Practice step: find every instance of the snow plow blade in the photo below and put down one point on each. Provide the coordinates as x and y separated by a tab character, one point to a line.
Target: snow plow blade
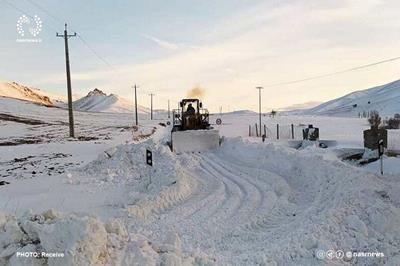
194	140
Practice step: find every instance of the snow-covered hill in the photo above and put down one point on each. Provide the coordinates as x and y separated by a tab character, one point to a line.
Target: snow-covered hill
98	101
19	91
95	101
385	99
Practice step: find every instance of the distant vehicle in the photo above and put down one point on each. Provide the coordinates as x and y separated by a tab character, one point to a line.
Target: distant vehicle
191	130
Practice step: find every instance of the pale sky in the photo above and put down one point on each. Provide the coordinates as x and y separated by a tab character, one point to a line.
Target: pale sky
227	47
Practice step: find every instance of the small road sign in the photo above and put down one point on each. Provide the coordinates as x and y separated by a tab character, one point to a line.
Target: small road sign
218	121
380	147
381	151
149	157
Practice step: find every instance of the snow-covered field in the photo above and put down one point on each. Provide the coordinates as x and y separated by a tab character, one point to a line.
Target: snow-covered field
95	200
384	99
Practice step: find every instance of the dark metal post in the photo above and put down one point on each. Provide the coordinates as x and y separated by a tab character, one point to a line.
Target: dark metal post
67	66
277	131
259	104
256	130
381	151
292	131
151	105
136	114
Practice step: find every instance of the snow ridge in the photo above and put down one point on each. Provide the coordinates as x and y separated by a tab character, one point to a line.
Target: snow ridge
98	101
385	99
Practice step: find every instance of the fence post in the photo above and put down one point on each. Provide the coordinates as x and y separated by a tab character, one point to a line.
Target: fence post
277	131
249	130
265	130
292	131
256	130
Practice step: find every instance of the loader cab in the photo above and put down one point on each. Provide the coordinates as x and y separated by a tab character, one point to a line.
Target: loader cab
190	116
191	131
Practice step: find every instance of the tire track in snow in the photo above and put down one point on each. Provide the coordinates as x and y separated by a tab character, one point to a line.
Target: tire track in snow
218	199
253	196
272	210
235	194
200	217
268	198
210	196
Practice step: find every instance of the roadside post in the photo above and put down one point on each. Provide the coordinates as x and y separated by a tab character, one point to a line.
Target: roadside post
149	161
380	152
149	157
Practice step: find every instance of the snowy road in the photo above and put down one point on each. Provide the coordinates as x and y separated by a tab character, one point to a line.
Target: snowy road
248	206
228	210
245	203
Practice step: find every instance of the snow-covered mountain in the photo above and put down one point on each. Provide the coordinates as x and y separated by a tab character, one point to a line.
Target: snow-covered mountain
98	101
21	92
385	99
95	101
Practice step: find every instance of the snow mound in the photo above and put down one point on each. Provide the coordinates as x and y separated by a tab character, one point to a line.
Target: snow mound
66	239
153	188
98	101
385	99
319	206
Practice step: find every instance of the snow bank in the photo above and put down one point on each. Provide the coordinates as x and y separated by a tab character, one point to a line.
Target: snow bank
391	165
52	238
327	204
152	189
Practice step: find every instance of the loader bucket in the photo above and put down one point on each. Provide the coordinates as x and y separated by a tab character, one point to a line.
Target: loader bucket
194	140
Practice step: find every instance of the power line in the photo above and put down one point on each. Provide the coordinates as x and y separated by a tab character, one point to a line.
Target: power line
94	52
22	11
58	20
55	18
334	73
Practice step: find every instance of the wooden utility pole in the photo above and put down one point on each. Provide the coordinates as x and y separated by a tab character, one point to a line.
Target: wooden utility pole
169	116
136	115
259	103
70	111
151	105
